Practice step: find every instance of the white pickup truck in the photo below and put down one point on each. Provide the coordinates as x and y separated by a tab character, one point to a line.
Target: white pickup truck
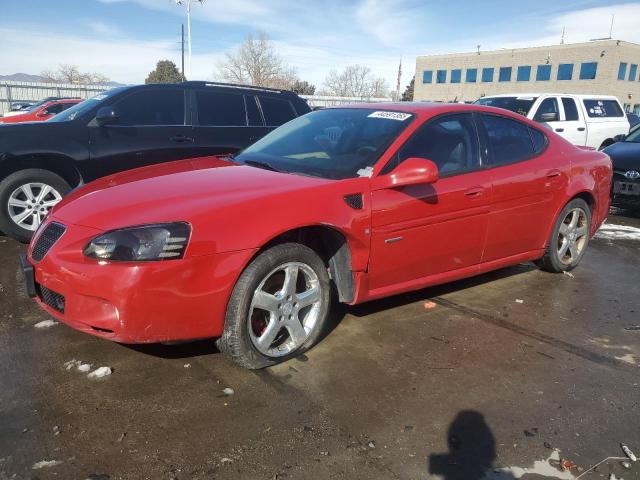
586	120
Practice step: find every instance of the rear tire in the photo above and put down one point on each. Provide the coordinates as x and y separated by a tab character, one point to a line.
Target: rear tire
32	193
569	238
278	308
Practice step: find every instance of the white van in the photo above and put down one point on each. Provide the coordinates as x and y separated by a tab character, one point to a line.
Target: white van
588	120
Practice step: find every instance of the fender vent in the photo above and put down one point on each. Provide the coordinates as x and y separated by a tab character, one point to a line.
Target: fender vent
354	200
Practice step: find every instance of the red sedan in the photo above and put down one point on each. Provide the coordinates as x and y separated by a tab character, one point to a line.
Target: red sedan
42	112
369	200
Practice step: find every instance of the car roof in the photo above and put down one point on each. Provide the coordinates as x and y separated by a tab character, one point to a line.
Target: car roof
551	94
430	109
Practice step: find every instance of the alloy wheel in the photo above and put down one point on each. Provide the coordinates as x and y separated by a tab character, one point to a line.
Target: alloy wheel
572	236
284	309
29	204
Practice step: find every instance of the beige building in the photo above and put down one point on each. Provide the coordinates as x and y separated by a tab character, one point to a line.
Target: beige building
605	67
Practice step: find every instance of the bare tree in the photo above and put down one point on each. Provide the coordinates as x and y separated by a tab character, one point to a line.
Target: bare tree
256	62
66	73
355	81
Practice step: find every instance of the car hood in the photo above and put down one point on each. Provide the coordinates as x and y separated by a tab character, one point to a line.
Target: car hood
186	190
624	155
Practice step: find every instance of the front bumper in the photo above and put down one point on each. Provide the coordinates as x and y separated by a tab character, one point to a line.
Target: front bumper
134	302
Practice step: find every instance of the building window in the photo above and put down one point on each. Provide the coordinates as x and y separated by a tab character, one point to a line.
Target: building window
505	74
487	75
427	76
633	69
622	71
588	70
524	73
472	75
543	73
441	76
565	71
456	75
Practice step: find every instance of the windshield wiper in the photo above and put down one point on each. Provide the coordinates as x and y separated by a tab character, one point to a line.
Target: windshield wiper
260	164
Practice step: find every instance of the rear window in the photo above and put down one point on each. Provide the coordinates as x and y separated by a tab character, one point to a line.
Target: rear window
603	108
276	111
520	105
218	109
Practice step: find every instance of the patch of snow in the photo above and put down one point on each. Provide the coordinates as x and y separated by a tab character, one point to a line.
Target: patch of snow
628	358
100	372
540	467
85	367
46	464
72	363
610	231
45	324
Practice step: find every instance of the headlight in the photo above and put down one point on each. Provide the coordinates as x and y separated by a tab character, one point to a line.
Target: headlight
163	241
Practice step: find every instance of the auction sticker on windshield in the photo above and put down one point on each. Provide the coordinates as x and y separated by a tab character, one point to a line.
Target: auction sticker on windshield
390	115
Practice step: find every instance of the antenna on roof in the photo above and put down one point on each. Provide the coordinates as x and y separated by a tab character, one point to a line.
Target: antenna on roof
478	47
613	16
562	39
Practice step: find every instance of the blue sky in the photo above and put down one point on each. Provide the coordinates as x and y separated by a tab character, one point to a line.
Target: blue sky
123	39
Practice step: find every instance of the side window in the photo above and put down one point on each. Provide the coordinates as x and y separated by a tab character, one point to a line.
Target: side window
539	140
220	109
603	108
548	111
54	109
508	140
570	109
253	114
276	111
152	107
450	141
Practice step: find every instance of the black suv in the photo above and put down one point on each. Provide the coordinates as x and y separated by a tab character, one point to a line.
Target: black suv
125	128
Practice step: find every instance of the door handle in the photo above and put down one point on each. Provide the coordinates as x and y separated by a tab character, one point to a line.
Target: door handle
474	192
181	139
554	173
581	129
559	129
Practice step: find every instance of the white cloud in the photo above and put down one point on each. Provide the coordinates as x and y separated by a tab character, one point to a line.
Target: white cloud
392	22
102	28
120	59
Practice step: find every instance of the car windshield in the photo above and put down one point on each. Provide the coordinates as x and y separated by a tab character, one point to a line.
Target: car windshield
520	105
81	108
332	143
634	135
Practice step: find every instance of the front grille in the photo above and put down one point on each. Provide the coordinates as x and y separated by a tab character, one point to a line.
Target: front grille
51	298
46	240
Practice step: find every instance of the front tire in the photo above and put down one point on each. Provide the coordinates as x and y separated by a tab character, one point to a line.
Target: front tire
278	308
26	196
569	238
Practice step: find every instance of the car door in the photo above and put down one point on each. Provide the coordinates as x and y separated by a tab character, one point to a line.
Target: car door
527	179
151	127
573	122
225	121
424	230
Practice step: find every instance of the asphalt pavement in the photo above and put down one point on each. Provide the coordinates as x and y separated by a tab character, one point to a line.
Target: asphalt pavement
502	376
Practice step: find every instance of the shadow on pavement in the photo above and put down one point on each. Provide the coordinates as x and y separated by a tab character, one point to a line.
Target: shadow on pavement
472	450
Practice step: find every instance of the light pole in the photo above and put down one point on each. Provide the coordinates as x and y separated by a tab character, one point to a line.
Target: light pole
187	5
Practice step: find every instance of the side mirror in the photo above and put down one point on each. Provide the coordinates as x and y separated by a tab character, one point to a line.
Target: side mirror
42	114
619	138
548	117
412	171
106	115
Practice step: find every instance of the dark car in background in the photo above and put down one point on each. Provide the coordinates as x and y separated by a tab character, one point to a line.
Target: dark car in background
125	128
625	156
633	118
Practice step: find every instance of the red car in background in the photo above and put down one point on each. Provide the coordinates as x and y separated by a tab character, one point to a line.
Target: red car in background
43	112
367	201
